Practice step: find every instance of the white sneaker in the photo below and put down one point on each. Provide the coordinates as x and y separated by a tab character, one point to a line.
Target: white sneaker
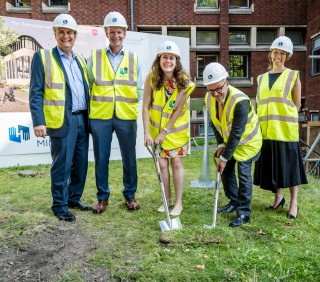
176	211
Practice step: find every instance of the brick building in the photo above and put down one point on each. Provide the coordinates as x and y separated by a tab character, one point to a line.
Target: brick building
236	33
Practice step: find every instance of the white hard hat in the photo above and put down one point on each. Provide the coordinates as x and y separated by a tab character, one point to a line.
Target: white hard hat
214	72
169	47
283	43
65	20
115	19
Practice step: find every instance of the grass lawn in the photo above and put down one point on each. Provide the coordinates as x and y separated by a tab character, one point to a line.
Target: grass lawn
119	245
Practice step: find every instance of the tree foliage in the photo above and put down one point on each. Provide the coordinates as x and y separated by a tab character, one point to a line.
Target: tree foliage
7	38
207	3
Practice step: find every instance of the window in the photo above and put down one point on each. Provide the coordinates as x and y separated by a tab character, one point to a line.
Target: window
58	3
202	61
24	3
207	37
296	36
314	116
239	37
266	36
202	130
152	30
315	64
238	66
235	4
207	3
180	33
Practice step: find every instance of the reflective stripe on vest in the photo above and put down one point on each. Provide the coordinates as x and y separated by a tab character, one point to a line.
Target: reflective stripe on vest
114	92
251	140
277	112
54	88
161	111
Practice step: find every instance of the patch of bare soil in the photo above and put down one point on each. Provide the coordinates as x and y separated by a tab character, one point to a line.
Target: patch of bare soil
51	254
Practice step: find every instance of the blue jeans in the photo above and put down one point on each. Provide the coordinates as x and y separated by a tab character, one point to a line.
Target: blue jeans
126	131
239	195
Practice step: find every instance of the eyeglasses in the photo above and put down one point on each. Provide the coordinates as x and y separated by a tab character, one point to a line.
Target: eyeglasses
217	90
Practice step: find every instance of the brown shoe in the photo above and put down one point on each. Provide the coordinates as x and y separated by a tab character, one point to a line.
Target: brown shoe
132	205
100	206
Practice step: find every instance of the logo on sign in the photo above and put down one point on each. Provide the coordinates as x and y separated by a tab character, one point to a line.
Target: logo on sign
17	135
95	32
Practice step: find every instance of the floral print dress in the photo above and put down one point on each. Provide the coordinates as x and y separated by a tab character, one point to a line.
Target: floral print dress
180	152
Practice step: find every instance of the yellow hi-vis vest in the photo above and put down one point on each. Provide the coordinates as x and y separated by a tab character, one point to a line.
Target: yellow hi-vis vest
114	93
251	140
161	111
278	115
54	96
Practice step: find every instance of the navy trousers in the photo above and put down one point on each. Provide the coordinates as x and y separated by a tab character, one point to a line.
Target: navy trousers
126	131
239	195
69	164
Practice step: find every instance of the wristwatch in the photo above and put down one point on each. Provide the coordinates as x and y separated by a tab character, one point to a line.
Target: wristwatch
166	130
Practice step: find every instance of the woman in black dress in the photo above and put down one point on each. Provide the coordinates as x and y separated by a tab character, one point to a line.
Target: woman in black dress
278	100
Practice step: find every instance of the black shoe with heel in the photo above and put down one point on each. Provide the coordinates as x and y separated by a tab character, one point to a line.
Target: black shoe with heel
290	216
282	202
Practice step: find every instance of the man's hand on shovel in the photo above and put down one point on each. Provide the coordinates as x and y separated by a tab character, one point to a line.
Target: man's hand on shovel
220	164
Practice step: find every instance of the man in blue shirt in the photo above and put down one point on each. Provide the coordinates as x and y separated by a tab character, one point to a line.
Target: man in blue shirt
117	86
59	107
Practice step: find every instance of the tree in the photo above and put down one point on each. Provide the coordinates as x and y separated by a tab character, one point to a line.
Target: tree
7	38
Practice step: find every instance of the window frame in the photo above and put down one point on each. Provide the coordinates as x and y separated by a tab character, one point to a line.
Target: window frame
207	7
247	63
240	7
302	42
202	130
239	31
314	116
205	63
207	31
266	30
150	30
315	62
180	30
57	5
18	2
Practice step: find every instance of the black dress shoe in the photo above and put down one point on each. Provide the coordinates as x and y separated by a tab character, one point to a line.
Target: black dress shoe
65	215
79	205
239	220
228	208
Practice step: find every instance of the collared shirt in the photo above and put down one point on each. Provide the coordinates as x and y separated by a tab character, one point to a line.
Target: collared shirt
75	80
115	61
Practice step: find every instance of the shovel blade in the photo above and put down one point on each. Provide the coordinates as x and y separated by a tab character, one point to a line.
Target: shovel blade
164	226
209	226
175	224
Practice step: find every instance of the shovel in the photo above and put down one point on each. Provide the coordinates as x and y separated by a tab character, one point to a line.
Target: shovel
215	207
168	224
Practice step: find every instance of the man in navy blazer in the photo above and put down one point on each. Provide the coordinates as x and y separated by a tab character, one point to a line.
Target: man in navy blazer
59	107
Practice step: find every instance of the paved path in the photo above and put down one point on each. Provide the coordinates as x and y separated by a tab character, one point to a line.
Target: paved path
21	104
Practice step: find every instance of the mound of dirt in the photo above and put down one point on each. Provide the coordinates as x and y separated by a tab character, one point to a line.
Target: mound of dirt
50	255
